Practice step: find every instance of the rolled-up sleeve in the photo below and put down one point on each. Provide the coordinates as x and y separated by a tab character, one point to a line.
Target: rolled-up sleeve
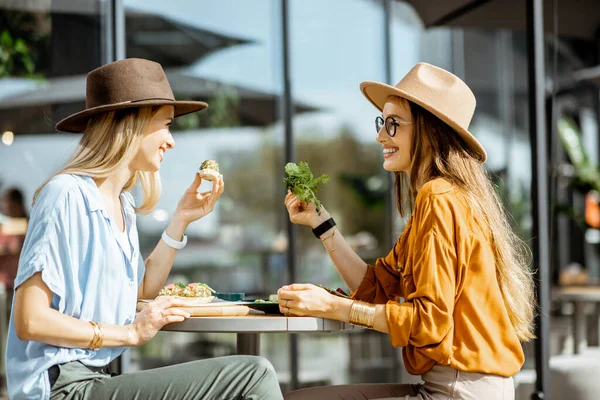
425	318
46	245
381	281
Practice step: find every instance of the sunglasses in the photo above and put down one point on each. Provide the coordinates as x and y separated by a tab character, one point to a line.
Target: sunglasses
390	123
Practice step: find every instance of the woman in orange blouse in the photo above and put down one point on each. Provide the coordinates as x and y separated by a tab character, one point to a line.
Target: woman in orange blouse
456	291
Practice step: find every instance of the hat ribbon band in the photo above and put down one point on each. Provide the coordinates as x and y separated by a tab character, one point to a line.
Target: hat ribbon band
152	98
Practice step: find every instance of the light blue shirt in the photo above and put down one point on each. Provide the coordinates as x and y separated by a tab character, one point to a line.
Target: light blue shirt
92	268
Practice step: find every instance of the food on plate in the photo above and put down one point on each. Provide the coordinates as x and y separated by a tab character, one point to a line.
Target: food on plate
272	299
337	292
209	170
192	292
300	181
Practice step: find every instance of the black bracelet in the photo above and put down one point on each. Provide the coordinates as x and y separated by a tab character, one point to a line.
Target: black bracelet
324	227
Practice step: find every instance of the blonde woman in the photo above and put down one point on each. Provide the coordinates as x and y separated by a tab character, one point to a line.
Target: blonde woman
455	291
80	272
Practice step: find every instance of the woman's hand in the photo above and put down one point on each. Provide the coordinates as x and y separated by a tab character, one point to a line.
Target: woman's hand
153	316
304	214
194	205
304	299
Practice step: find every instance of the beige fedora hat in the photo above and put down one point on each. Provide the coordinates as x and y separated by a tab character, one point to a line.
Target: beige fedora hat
438	91
129	83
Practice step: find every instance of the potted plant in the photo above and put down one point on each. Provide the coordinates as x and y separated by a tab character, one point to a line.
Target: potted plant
586	177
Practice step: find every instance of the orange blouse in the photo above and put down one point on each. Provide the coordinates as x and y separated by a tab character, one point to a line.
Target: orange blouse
453	312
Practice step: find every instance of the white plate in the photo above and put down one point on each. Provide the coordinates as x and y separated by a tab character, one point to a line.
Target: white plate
195	301
209	302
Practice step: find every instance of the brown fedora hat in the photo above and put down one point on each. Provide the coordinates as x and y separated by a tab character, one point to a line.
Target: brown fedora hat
129	83
438	91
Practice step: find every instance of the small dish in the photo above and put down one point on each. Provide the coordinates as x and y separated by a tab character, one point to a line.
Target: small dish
230	296
268	307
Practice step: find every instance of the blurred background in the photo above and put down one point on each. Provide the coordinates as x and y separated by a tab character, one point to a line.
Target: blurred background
281	78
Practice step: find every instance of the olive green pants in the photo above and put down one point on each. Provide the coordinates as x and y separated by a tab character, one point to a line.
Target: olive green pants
224	378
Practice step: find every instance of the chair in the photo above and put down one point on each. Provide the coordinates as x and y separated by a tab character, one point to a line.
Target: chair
373	359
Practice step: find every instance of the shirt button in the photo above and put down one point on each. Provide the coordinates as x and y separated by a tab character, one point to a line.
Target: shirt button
131	283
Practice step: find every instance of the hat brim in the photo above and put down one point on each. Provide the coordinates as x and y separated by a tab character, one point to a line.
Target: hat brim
378	93
77	122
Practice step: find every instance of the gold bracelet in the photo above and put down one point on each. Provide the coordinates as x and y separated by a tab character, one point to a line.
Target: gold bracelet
362	314
330	237
98	338
101	338
92	345
357	314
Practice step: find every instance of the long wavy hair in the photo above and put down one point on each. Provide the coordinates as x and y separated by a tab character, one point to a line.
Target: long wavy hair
109	143
453	161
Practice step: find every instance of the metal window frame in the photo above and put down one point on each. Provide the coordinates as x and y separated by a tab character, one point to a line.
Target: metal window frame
287	103
114	50
539	192
114	35
119	29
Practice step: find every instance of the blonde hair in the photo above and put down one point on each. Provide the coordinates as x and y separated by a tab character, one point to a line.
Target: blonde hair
110	142
453	161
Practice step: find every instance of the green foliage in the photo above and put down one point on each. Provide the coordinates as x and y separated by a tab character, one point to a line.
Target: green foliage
259	172
518	203
301	182
24	44
370	191
572	213
587	173
222	113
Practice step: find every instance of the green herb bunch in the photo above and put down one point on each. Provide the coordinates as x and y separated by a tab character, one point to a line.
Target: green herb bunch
301	182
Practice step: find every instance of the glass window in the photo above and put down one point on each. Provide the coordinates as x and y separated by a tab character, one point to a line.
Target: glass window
501	117
45	52
334	46
227	54
46	48
494	65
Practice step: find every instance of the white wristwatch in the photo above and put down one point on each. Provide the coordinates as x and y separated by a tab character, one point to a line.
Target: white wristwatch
172	242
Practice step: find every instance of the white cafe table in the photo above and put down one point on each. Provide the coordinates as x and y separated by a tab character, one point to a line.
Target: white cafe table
579	296
248	328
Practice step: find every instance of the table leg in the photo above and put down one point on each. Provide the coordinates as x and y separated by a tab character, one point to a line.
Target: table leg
248	344
579	328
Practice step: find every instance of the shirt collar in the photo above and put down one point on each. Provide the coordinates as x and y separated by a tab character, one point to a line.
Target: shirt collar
93	197
92	194
128	210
